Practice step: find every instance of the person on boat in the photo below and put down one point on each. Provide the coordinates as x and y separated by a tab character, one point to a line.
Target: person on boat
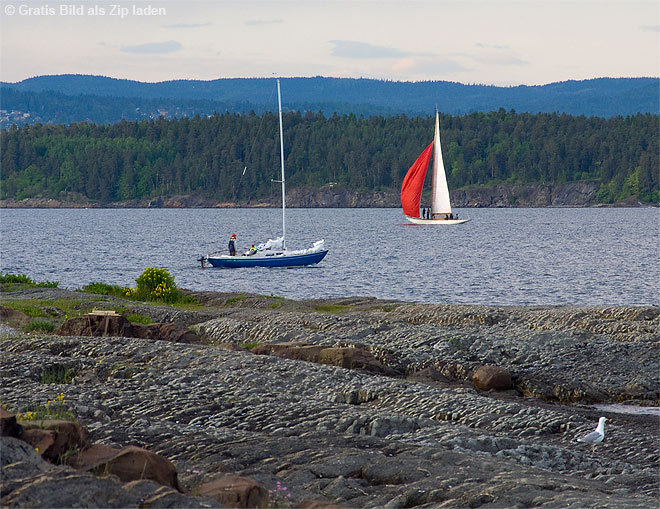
232	245
252	250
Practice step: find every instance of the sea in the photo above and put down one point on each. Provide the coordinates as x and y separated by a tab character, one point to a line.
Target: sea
516	256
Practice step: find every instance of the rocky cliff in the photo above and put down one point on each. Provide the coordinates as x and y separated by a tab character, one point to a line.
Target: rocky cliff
575	194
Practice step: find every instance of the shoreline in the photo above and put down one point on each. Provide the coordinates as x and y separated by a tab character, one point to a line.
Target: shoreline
46	204
572	195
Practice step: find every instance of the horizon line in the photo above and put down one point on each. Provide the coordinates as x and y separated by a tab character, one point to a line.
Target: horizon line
322	77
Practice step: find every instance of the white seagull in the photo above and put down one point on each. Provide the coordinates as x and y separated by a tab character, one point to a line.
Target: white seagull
597	435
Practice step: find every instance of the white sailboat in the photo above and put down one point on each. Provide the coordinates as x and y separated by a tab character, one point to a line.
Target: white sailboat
272	253
411	189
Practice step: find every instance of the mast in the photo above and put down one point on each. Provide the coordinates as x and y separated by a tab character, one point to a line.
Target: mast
279	103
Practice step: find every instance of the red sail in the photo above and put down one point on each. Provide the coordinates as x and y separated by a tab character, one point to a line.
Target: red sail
411	189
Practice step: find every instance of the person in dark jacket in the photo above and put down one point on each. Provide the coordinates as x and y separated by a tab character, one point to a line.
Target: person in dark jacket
232	245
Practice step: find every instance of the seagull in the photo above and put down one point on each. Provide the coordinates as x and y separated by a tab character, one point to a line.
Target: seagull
597	435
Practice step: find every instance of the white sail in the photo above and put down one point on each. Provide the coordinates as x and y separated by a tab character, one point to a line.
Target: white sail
439	191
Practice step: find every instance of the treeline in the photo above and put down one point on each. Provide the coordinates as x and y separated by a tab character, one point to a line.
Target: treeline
235	157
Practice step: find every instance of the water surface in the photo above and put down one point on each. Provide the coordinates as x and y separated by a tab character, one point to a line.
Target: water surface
589	256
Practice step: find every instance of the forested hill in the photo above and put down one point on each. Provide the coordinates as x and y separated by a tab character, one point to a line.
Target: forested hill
72	98
206	156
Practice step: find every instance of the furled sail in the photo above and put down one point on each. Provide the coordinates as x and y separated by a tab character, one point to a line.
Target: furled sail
411	189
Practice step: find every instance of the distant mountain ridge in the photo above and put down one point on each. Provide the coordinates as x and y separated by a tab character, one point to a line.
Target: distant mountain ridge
100	99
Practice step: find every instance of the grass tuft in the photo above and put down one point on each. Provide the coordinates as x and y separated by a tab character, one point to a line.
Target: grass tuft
138	318
12	282
39	326
234	300
57	375
250	345
332	308
55	409
104	289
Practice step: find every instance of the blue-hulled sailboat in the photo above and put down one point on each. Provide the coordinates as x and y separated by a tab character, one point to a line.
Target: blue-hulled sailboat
273	253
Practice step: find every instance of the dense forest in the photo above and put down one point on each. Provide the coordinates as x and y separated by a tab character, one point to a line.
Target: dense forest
232	157
50	107
99	99
58	108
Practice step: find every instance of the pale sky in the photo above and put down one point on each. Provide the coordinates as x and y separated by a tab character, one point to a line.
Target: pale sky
500	42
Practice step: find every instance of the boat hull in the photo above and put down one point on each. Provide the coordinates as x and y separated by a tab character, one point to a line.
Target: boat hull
419	220
268	260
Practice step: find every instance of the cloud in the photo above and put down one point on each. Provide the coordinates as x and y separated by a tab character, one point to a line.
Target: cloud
491	46
187	25
434	65
409	64
497	55
355	49
260	22
495	59
153	47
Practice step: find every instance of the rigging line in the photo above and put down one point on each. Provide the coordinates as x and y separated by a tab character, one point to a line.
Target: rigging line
308	214
312	221
254	139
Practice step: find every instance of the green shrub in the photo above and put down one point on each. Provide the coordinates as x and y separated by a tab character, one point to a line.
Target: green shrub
153	284
157	284
22	281
138	318
15	278
104	289
40	326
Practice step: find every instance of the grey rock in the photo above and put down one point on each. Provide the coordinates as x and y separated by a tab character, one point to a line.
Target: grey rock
363	439
7	331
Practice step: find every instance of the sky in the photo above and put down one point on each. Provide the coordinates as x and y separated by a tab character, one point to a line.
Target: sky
493	42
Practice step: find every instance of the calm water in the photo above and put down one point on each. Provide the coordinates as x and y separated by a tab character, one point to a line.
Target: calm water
504	256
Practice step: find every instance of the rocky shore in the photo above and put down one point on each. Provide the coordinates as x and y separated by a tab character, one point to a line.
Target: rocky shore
574	194
361	402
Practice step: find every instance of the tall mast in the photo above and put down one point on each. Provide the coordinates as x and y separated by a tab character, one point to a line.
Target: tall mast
279	103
